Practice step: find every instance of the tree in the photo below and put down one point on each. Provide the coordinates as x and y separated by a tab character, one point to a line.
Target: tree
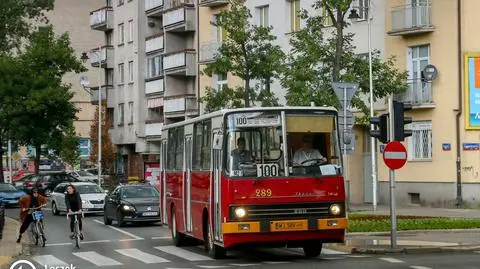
47	111
315	61
69	151
108	153
247	52
17	18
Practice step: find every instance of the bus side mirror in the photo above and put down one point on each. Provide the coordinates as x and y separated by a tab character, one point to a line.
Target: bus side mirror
217	141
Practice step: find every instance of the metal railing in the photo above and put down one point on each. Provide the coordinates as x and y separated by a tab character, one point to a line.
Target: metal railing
418	93
411	17
208	50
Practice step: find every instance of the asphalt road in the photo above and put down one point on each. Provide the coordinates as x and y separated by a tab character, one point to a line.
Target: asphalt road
142	246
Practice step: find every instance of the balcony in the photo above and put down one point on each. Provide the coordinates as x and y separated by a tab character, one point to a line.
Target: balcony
411	20
153	129
154	8
419	94
180	63
102	19
180	19
154	86
107	92
105	59
208	51
212	3
153	43
180	106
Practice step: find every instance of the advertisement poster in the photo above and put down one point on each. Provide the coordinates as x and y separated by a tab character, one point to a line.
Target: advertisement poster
472	91
152	174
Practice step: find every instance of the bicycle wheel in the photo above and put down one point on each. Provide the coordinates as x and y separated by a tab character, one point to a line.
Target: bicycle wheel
35	233
41	241
77	235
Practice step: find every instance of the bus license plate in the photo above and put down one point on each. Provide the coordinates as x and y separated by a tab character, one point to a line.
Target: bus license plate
150	213
288	225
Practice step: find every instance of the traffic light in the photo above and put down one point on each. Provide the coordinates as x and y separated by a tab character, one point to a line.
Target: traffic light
400	120
382	122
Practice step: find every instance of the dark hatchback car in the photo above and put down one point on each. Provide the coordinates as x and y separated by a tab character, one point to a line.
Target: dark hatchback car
48	181
132	203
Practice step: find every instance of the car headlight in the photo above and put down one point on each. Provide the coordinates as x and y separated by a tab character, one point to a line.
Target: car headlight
335	209
127	207
84	201
240	212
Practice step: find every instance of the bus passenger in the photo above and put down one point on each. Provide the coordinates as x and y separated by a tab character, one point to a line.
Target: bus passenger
306	153
240	155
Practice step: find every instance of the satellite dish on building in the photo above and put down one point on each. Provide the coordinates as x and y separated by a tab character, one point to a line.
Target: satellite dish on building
84	81
429	73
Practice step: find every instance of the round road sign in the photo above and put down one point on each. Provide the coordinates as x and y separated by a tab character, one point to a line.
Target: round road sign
395	155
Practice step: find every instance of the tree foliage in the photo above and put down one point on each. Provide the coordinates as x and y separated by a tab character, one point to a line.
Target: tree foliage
108	153
69	147
248	52
17	18
316	60
47	111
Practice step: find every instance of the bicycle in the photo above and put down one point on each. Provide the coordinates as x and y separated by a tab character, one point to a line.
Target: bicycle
76	229
38	227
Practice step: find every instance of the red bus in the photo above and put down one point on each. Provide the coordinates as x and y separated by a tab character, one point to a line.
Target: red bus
266	177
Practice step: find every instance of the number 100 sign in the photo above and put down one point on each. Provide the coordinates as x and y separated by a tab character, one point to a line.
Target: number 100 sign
267	170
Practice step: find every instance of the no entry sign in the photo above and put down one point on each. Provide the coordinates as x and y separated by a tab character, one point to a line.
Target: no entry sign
395	155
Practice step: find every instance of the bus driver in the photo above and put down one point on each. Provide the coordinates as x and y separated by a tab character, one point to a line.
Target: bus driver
306	153
240	155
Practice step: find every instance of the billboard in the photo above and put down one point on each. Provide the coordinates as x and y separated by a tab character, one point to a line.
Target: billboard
472	91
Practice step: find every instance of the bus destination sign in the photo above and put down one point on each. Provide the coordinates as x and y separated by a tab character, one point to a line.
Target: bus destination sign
245	120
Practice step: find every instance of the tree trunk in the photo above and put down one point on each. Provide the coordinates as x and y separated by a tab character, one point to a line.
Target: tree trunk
247	91
38	153
339	46
2	178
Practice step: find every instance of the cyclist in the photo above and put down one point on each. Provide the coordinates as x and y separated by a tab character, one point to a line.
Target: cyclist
32	200
74	203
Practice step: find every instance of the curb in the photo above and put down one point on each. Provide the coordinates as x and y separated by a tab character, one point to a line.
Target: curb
25	250
404	250
415	232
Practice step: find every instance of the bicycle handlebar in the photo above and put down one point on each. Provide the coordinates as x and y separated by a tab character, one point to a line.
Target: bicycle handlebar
33	208
75	213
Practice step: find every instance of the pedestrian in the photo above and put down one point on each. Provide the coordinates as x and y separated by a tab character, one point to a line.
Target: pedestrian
32	200
73	201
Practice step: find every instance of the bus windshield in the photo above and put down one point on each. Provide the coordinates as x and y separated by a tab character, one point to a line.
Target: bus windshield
255	145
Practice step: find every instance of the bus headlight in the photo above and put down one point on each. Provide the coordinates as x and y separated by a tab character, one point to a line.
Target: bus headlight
335	209
240	212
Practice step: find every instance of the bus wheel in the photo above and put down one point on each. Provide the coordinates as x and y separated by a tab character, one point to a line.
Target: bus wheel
214	251
178	238
312	249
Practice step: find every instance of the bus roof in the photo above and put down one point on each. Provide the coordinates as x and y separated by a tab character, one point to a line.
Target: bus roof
246	109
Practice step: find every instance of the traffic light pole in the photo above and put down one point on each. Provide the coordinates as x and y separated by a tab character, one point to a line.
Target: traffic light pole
393	216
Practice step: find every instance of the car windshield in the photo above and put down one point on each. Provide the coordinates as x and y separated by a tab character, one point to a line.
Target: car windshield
7	188
83	189
139	192
85	174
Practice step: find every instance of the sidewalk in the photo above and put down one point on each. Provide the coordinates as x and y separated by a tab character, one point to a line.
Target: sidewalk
431	241
8	246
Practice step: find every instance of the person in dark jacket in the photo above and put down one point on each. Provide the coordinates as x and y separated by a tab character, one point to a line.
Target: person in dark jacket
73	201
32	200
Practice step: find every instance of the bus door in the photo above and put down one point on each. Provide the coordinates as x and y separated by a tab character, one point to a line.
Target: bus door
163	178
217	151
188	184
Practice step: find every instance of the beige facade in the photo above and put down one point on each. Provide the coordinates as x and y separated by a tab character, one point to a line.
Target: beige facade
421	34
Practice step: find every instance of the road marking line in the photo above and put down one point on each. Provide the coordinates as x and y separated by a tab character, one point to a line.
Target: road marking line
96	258
129	239
331	258
49	261
391	260
141	256
119	230
161	237
83	242
420	267
358	256
327	251
58	244
276	262
212	266
184	254
96	241
244	264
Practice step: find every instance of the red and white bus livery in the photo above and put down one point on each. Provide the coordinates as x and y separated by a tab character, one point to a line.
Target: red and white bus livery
268	177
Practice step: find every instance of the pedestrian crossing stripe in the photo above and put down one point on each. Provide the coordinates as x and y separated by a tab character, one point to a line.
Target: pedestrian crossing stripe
149	258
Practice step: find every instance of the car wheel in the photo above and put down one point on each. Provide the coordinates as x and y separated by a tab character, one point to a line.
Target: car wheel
120	221
55	209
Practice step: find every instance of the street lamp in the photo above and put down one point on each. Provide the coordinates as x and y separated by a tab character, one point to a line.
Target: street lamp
84	82
354	15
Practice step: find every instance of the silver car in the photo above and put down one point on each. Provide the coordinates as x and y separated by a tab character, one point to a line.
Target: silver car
93	197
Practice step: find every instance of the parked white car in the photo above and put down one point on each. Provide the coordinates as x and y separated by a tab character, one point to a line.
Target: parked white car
84	176
93	197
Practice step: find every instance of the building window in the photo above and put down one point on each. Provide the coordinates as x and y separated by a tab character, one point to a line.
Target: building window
130	71
110	76
111	117
130	109
175	148
121	73
420	143
294	15
84	147
130	31
362	9
121	114
218	31
202	144
121	33
418	59
221	82
262	16
120	2
154	67
155	114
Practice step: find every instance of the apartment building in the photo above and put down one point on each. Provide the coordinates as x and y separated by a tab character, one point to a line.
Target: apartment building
149	62
443	152
273	13
68	16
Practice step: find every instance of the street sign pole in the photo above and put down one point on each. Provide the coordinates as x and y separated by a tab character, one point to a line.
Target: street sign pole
345	163
393	217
